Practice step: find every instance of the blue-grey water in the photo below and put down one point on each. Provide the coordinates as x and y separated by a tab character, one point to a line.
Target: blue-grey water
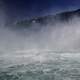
48	65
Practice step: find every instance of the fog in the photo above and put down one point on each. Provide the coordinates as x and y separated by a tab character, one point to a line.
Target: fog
34	45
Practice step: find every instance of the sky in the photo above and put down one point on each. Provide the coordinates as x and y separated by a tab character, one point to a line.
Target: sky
22	9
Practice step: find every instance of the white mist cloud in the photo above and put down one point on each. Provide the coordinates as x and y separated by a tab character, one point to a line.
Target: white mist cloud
59	37
62	36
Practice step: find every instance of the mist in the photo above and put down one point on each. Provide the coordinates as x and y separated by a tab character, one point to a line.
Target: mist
37	43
